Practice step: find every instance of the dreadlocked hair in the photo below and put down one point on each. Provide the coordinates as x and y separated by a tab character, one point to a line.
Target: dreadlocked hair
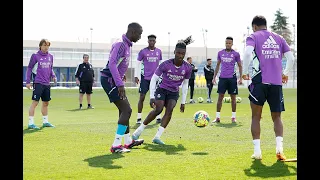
183	43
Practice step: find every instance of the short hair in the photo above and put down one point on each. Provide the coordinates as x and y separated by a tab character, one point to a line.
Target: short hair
134	25
188	58
183	43
85	55
44	41
229	38
259	21
209	59
152	36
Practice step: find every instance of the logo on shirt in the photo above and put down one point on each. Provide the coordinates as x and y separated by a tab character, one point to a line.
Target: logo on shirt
270	49
159	95
231	55
183	72
270	43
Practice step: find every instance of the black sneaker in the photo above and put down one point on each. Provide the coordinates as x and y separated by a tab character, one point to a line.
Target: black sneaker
158	120
139	121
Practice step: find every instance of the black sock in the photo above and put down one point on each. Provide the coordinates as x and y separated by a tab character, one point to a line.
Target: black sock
89	105
80	105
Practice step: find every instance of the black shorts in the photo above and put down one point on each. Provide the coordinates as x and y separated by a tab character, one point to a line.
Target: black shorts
259	93
110	88
41	91
85	87
229	84
165	95
144	85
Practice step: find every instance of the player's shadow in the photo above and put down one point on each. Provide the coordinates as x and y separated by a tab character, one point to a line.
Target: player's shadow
104	161
29	131
168	149
278	169
200	153
227	125
77	109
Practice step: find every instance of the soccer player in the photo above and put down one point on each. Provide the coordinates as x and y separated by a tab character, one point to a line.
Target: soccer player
112	77
208	74
266	80
149	58
41	68
228	77
174	73
85	78
191	80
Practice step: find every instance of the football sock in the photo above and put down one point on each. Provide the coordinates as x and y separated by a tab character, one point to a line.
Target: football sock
45	119
159	132
127	139
217	114
159	116
256	143
233	115
31	120
120	132
139	116
279	144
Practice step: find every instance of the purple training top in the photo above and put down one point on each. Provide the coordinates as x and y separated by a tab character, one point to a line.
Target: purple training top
173	76
40	64
118	62
267	57
228	61
150	61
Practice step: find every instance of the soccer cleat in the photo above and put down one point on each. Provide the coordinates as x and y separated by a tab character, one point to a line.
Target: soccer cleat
135	137
281	156
47	125
192	101
158	141
139	121
256	156
159	120
134	143
233	120
119	149
90	107
32	126
209	101
80	108
217	120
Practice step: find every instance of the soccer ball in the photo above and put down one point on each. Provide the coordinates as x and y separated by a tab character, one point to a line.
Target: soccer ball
238	99
201	118
200	100
227	99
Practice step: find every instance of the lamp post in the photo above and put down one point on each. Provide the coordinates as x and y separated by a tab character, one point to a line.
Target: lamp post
169	45
91	29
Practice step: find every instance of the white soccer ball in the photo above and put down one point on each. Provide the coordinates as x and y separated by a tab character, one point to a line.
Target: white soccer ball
200	100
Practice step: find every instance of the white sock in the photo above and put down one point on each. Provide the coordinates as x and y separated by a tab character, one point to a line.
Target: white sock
45	119
217	114
139	130
139	116
31	120
127	139
233	115
159	116
279	144
117	140
159	132
256	144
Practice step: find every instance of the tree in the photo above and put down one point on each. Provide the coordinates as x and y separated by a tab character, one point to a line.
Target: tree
280	26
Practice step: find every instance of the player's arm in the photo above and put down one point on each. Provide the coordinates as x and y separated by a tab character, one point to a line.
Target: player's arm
53	75
115	55
77	73
217	66
250	44
238	60
184	89
137	70
155	77
194	69
289	56
32	62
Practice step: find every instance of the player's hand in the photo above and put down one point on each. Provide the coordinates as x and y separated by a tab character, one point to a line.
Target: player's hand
122	92
136	79
124	79
284	79
182	106
152	103
214	81
55	80
245	77
240	81
77	81
28	86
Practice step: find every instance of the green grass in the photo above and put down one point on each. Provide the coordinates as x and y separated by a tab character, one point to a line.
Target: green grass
78	148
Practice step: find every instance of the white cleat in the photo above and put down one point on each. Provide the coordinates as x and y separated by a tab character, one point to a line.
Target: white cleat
256	156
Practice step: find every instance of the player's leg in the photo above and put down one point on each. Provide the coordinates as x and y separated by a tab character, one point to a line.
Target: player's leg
221	91
89	92
276	104
45	97
170	103
125	112
257	97
191	85
159	104
81	93
209	88
143	89
233	91
36	94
